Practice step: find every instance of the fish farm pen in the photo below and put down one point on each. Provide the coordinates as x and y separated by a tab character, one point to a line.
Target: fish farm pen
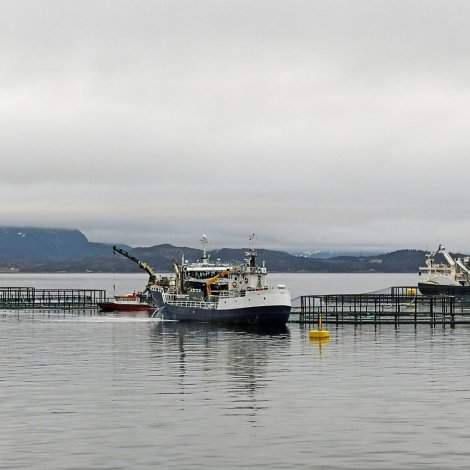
396	305
64	299
401	305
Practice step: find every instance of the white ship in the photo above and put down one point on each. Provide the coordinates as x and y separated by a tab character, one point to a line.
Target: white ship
222	293
450	278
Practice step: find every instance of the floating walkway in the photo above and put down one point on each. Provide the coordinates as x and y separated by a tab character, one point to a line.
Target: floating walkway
63	299
400	305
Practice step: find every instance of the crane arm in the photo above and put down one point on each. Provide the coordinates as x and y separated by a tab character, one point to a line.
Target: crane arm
462	266
449	259
141	264
215	279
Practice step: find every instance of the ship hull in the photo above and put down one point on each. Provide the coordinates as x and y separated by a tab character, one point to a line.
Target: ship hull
266	315
115	307
278	315
441	289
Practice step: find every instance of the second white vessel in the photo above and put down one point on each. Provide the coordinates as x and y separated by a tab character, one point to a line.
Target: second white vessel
450	278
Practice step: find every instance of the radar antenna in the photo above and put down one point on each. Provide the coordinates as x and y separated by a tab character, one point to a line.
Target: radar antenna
252	239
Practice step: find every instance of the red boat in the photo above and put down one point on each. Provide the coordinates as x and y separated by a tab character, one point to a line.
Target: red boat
126	303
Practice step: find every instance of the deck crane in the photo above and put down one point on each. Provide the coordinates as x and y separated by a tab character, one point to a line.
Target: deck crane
441	250
214	279
448	258
451	261
152	275
454	265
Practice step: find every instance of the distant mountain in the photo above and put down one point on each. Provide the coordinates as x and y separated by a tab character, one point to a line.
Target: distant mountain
160	257
60	250
40	249
38	244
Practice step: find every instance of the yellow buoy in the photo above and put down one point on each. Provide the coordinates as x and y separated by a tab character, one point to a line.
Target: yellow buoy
319	334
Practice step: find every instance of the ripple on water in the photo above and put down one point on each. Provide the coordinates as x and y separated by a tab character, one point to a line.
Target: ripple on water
89	392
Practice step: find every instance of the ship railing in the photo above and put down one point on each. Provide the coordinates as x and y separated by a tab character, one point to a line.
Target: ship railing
228	294
242	292
193	304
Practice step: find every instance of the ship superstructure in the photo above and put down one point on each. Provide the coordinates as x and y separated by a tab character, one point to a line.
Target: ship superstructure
224	293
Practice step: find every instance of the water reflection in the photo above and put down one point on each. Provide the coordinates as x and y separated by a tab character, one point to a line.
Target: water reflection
229	361
182	328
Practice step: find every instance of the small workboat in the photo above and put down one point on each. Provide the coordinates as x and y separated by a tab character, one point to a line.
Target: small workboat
126	303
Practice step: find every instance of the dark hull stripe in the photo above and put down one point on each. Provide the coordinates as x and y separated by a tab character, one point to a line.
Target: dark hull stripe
247	316
435	289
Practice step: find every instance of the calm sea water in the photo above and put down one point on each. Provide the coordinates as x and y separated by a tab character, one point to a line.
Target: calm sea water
105	392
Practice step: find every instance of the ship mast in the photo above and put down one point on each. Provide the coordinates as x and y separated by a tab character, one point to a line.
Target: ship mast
252	239
204	243
252	254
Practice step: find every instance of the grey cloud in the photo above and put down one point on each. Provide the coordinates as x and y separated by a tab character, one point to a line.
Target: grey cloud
313	123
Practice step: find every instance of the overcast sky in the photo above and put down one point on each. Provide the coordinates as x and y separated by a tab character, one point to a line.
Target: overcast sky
314	124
